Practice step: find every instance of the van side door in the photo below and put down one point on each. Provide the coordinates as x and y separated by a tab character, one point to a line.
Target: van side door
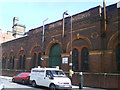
47	78
40	77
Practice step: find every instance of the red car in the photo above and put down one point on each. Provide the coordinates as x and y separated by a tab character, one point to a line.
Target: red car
22	78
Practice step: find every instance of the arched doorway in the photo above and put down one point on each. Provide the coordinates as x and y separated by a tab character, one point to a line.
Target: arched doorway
84	59
75	60
117	51
55	56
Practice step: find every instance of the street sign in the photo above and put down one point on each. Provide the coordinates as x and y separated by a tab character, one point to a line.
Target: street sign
65	60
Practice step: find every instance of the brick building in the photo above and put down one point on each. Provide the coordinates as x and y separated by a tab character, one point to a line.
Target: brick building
95	47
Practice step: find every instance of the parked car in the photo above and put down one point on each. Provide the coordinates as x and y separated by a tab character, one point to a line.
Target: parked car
22	78
1	85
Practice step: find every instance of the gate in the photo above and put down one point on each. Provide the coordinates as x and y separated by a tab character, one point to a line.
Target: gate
55	56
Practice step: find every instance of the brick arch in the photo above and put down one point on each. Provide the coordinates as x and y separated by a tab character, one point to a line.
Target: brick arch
35	46
21	51
80	48
36	49
75	47
11	53
21	55
47	50
4	54
113	40
83	46
80	37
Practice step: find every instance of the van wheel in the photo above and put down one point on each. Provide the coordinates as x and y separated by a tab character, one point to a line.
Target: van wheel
52	87
34	84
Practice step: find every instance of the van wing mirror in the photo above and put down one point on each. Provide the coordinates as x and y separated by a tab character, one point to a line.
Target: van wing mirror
50	77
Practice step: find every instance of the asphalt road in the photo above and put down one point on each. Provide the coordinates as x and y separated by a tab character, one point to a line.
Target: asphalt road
9	85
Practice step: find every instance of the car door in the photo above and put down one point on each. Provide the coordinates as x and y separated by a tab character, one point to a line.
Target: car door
20	78
17	78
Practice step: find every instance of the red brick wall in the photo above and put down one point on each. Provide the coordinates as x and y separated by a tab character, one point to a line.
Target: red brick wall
100	80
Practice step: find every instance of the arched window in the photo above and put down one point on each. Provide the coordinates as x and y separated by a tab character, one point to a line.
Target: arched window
10	66
20	62
118	57
24	62
11	63
34	59
84	59
75	60
3	62
39	59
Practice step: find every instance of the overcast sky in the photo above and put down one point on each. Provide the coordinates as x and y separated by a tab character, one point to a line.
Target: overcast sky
32	13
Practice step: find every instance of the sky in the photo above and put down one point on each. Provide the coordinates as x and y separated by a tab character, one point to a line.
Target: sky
32	13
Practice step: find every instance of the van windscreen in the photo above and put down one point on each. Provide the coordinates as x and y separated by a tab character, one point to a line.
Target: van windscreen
58	73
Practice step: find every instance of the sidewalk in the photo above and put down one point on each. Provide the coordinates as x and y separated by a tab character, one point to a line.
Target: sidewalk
6	77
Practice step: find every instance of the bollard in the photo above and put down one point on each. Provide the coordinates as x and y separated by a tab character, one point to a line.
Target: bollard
81	80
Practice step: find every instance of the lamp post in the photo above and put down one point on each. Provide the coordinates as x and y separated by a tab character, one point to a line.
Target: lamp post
71	45
63	33
43	35
70	64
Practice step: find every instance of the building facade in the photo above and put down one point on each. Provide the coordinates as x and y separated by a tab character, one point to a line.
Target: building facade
4	37
95	47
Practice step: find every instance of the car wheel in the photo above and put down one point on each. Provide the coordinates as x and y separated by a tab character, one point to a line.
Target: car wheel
13	80
23	81
52	87
34	84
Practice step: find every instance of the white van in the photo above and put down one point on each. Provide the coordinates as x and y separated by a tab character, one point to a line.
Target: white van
52	78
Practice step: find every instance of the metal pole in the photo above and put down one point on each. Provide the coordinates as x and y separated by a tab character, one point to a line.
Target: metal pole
70	64
63	26
71	39
43	35
104	6
71	47
63	33
81	80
